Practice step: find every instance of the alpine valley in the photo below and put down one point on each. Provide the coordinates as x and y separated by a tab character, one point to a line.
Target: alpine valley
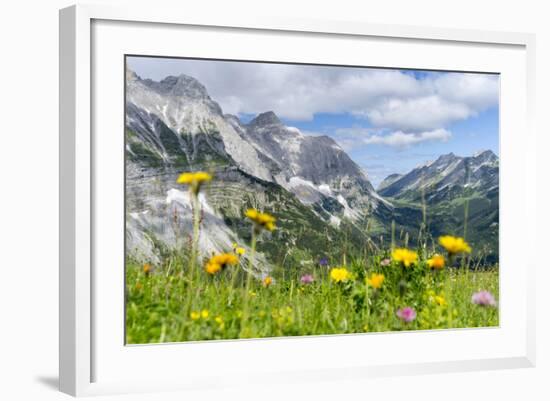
323	201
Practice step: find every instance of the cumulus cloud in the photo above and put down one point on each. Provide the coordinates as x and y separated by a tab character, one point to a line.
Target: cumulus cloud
401	139
418	113
350	138
390	99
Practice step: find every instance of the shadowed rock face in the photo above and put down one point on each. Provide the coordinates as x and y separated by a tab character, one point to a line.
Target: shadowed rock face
390	179
266	119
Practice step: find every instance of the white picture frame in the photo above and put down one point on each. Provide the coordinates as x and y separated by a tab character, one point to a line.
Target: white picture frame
81	344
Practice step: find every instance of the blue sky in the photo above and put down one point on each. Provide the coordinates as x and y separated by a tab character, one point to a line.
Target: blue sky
388	120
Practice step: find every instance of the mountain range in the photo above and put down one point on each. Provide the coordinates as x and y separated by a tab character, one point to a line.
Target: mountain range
323	200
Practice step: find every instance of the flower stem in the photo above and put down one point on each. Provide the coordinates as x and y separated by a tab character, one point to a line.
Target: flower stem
196	221
246	294
194	246
252	249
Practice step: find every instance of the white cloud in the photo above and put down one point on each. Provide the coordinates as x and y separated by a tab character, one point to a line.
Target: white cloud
401	139
349	138
418	113
390	99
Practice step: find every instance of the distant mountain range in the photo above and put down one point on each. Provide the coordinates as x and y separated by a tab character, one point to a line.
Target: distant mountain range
318	193
445	178
444	186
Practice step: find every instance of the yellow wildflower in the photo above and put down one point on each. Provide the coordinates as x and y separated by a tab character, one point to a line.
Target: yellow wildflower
405	256
375	280
454	245
194	180
147	268
436	262
220	262
205	313
267	281
239	251
440	300
218	319
195	315
212	268
340	274
261	220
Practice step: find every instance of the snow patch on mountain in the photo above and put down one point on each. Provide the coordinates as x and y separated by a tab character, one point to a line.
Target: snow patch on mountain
294	130
348	211
297	181
325	189
335	221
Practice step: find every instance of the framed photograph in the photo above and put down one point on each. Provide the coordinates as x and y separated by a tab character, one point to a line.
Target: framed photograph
237	191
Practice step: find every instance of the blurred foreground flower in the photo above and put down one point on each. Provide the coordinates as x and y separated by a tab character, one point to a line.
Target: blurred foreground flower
440	300
375	280
240	251
406	314
261	220
436	262
405	256
484	298
194	180
306	279
220	262
340	274
454	245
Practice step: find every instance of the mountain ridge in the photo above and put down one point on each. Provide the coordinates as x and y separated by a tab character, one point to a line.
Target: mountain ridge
447	174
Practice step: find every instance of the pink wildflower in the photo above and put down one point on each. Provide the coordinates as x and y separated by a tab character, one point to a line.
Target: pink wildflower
483	298
406	314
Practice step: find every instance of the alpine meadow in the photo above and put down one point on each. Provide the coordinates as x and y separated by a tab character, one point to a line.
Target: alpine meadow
267	200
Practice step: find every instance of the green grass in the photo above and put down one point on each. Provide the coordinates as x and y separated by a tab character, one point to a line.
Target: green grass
160	304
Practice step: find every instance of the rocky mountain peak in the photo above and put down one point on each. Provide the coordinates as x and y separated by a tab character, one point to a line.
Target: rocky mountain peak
485	156
265	119
449	157
183	85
